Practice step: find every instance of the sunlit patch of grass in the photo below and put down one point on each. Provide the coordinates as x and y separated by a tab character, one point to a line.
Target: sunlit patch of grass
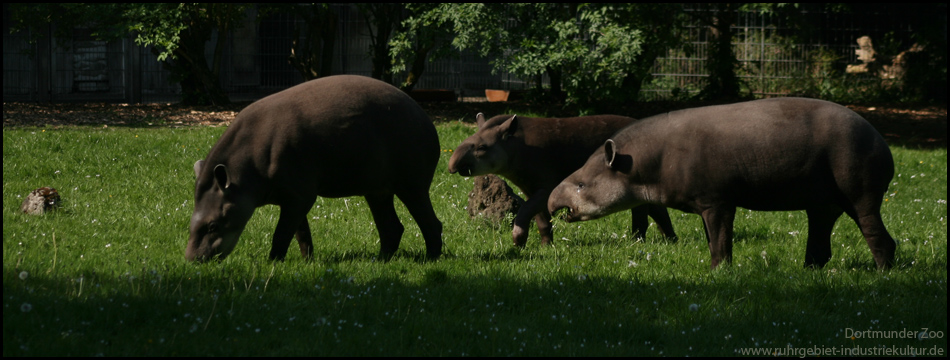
115	282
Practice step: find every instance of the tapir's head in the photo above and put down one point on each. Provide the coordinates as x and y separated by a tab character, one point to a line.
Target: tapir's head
599	188
220	214
485	152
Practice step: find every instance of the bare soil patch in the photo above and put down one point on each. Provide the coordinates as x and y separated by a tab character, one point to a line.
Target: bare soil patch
912	126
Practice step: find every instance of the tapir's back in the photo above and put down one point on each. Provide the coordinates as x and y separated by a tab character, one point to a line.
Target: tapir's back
796	149
365	133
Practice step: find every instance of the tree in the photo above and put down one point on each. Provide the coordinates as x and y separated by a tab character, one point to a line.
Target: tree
595	51
721	63
660	26
421	38
177	33
311	48
382	20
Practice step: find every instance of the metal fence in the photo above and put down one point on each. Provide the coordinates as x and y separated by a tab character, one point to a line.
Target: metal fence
771	65
255	63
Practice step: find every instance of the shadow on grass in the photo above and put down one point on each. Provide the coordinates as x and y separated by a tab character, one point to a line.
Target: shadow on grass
419	257
456	314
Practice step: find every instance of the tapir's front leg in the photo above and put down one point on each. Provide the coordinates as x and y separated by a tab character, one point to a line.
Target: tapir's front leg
639	222
536	203
543	220
661	217
292	218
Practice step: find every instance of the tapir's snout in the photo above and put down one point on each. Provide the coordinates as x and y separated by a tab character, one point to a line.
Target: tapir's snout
464	171
556	202
567	216
204	247
193	254
458	163
202	253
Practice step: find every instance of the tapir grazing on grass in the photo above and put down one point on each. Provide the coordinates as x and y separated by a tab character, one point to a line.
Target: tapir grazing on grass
536	154
335	136
773	155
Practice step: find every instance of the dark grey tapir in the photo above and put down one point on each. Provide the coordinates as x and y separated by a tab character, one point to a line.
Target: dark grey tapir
536	154
335	136
773	155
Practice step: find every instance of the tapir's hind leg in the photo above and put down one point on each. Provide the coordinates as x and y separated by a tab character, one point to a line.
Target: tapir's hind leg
867	214
863	183
305	239
879	240
821	220
387	223
420	207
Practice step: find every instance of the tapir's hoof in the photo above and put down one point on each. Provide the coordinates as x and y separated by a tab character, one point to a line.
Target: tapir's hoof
519	236
547	240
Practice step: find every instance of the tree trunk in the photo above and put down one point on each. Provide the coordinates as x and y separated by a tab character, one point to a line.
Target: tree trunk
418	67
199	83
556	91
312	53
722	83
384	18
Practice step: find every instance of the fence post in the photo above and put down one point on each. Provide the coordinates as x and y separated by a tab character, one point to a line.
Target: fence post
43	65
134	78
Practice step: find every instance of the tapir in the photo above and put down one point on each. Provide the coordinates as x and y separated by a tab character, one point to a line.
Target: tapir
776	154
536	154
335	136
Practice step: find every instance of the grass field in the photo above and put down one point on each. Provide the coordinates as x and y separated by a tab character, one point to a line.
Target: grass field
106	274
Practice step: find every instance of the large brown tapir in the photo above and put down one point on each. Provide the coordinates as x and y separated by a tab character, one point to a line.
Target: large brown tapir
773	154
536	154
335	136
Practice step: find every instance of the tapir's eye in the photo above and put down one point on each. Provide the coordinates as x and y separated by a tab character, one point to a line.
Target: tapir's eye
212	227
580	186
482	147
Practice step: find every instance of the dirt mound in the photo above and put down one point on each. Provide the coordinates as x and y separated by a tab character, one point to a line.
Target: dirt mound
493	199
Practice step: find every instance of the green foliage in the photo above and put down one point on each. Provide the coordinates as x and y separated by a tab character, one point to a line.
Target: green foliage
597	49
159	25
106	275
102	21
596	58
422	37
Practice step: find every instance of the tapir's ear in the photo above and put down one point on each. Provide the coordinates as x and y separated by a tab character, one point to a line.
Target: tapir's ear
221	176
198	165
480	120
509	127
610	152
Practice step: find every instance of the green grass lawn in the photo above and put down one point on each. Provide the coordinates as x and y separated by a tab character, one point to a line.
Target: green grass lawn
106	274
